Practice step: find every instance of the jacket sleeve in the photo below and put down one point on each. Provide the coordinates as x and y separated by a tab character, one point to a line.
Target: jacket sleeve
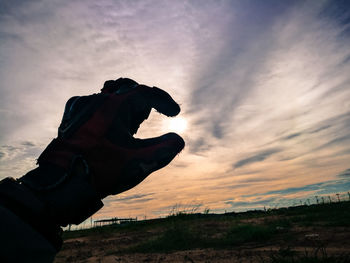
20	242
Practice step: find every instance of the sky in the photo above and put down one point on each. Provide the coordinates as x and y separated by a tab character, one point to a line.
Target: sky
264	87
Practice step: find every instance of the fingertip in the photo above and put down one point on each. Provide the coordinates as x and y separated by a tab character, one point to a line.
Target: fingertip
160	100
165	103
175	110
174	140
171	145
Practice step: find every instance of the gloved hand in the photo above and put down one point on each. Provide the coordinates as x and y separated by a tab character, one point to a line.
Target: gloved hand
93	156
100	129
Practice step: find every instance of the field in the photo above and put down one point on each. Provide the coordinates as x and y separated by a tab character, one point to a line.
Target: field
302	234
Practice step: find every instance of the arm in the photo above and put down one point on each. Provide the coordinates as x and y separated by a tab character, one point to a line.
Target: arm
93	156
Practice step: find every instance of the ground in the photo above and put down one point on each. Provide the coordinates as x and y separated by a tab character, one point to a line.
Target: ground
317	233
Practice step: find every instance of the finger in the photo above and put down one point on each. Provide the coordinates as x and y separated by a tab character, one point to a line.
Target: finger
119	86
136	102
155	153
169	140
149	155
159	100
140	101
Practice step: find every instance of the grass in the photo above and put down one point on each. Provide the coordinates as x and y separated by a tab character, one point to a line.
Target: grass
181	237
334	214
180	232
249	233
174	238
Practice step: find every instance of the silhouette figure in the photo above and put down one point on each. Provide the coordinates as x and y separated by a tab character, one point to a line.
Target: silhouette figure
93	156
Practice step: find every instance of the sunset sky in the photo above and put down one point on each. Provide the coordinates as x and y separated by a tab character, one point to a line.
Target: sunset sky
264	87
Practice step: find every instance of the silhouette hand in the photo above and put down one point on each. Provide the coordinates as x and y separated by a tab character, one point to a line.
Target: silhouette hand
93	156
98	130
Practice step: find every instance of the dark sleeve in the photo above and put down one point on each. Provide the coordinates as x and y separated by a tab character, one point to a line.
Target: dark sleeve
20	242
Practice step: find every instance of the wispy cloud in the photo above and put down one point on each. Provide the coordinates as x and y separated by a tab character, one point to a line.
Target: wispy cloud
28	143
345	173
293	135
138	197
264	86
323	188
257	157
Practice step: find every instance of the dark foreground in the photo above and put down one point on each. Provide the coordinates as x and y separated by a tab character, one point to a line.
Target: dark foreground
317	233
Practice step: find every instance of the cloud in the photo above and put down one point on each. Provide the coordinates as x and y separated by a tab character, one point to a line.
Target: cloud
255	180
258	157
291	190
9	152
28	144
293	195
320	129
322	188
263	202
268	79
345	173
226	84
199	145
341	140
293	135
18	158
133	198
230	69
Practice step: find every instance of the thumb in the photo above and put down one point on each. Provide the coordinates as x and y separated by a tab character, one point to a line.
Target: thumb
155	153
146	156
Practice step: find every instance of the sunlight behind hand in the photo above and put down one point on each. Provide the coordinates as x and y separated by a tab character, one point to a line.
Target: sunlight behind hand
177	124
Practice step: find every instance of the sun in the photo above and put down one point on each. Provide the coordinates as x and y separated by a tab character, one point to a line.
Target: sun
177	124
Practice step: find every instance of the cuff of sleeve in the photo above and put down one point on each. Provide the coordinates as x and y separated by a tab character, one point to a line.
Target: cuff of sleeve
69	196
23	203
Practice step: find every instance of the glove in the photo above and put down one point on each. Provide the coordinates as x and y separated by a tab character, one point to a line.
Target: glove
93	156
99	128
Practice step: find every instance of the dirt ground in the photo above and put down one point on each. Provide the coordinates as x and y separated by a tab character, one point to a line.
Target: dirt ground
323	241
198	255
315	233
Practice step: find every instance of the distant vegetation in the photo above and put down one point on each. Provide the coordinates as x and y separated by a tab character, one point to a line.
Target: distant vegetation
301	226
